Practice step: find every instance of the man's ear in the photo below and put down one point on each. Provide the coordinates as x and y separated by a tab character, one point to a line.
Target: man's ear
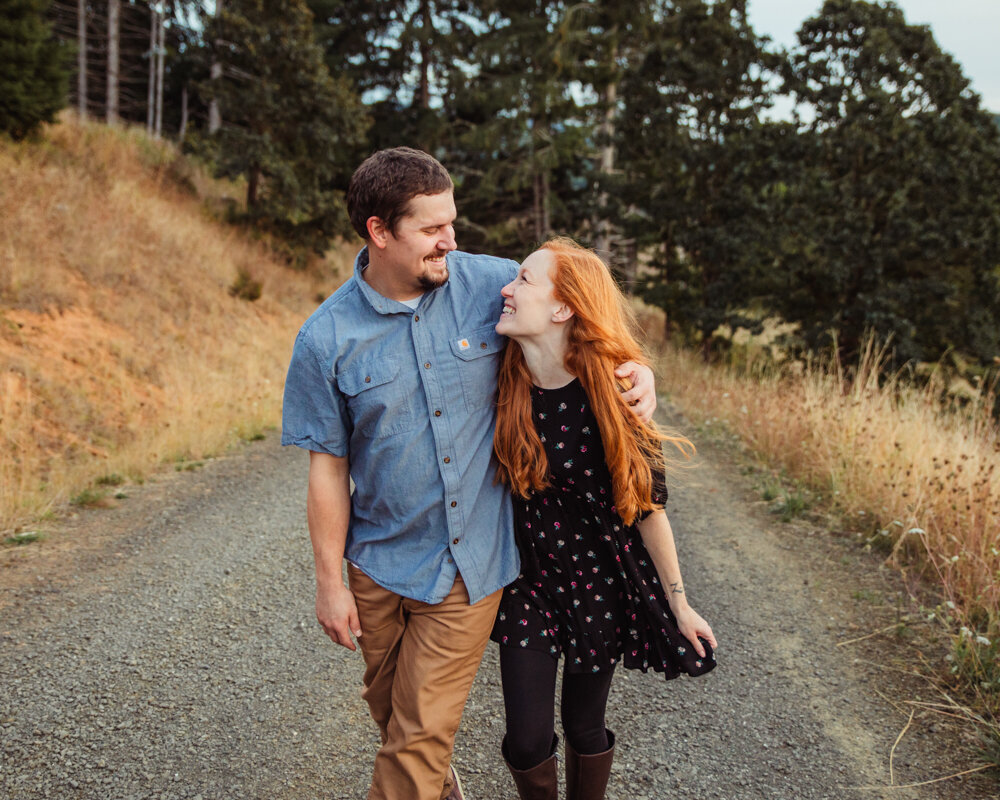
378	233
562	314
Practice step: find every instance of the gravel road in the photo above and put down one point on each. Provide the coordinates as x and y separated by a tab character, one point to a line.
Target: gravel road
167	648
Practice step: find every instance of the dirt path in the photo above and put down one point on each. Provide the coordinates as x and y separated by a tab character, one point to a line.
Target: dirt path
168	649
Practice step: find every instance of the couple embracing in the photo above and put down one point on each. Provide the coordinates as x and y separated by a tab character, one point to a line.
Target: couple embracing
508	484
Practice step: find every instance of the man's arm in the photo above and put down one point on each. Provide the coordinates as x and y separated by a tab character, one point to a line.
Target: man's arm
328	508
641	397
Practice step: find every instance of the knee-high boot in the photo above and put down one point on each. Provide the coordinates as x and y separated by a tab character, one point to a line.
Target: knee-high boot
538	783
587	776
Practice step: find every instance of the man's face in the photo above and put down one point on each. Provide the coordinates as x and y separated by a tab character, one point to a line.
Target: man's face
416	251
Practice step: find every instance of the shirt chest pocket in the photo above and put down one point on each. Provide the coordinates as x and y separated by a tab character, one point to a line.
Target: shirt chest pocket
478	358
378	404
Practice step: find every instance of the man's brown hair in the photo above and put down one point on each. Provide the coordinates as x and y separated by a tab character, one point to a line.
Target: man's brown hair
387	181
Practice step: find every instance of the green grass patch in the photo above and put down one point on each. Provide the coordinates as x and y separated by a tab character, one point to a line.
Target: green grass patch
24	538
770	490
89	498
791	505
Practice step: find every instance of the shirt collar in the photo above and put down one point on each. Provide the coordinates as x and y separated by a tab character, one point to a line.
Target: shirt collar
382	304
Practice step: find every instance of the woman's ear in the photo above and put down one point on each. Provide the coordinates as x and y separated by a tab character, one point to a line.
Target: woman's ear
562	313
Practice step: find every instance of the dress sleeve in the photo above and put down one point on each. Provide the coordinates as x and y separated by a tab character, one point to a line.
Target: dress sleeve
659	493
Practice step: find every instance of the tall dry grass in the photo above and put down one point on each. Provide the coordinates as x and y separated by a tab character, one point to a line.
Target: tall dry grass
120	345
913	469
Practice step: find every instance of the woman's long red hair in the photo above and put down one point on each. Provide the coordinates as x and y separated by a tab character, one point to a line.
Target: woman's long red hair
600	338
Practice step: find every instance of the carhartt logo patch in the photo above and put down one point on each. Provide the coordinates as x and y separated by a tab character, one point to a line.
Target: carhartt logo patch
463	344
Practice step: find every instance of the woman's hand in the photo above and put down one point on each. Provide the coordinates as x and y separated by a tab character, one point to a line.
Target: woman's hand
690	623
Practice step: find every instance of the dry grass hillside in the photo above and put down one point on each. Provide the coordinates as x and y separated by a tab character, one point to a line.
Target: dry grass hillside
121	347
908	470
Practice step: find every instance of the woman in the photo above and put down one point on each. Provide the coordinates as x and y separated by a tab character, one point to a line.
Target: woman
599	582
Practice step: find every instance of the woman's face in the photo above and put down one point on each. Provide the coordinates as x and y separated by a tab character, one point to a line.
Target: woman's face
529	303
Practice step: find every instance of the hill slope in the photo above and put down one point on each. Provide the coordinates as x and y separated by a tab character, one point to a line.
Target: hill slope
120	344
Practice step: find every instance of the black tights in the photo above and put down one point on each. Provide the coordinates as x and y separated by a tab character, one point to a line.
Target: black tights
529	687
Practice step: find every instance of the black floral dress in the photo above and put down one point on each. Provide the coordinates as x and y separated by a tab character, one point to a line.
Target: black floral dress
588	588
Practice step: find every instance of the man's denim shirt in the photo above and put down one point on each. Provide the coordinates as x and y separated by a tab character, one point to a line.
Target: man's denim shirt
410	397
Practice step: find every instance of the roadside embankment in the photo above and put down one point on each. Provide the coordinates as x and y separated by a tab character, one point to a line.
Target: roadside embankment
122	344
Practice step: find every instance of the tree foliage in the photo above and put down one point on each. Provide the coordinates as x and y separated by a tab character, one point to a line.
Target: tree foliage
521	146
896	206
293	131
402	57
33	70
640	128
696	161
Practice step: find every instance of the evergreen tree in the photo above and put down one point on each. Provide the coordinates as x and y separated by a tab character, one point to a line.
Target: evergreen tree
288	127
401	55
617	36
695	161
521	144
895	216
33	68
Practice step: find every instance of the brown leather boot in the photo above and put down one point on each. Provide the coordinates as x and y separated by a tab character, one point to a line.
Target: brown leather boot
587	776
541	782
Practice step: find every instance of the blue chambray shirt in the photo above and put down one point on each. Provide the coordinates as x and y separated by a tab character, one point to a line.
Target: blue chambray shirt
410	397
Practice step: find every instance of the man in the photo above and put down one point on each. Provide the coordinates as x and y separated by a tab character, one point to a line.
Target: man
392	382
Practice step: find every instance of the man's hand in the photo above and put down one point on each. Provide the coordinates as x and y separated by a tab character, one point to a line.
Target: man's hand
338	614
641	398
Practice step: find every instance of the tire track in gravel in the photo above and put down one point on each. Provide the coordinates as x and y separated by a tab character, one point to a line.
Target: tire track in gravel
168	649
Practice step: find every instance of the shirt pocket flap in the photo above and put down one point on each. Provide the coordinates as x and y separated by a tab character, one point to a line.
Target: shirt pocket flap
355	380
480	342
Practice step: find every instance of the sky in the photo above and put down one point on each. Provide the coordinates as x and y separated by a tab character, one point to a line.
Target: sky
967	29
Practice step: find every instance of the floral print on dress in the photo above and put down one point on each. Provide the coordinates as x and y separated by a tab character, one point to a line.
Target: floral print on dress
588	588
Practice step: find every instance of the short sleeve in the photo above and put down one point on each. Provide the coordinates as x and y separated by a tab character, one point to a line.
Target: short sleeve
314	415
659	493
659	484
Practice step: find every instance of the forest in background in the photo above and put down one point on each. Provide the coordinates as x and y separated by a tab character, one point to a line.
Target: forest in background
644	130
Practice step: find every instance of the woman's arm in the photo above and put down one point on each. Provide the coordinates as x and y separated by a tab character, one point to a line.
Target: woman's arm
658	537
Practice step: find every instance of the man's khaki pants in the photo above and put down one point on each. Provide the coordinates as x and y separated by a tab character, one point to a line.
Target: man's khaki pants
420	660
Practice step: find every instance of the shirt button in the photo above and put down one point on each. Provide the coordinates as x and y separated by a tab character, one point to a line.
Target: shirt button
416	318
482	345
454	541
453	504
427	365
368	378
447	460
437	413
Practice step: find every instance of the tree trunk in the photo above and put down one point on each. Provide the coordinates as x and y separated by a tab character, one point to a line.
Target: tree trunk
214	116
546	222
537	206
184	113
425	55
602	243
541	204
161	55
253	183
154	15
81	57
114	14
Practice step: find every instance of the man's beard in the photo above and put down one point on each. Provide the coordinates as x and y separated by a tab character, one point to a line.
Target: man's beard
427	283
